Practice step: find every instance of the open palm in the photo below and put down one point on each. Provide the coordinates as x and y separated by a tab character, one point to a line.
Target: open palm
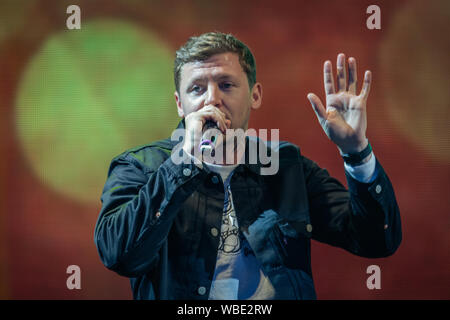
344	119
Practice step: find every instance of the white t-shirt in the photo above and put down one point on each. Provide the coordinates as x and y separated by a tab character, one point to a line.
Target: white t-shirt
238	274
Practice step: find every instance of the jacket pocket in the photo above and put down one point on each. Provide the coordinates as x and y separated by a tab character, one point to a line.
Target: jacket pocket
294	249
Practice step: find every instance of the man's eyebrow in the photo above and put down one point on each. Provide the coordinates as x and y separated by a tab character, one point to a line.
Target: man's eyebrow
225	77
216	78
196	79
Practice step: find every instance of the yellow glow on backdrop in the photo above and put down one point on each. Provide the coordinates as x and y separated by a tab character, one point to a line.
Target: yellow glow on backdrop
88	95
414	59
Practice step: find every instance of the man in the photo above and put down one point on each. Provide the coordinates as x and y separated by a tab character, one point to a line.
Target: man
202	230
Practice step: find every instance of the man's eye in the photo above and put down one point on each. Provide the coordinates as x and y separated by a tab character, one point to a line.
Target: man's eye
196	89
226	85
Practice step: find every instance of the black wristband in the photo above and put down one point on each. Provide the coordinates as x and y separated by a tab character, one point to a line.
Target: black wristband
355	159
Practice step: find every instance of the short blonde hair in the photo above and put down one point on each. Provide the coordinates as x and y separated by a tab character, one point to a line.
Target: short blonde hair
200	48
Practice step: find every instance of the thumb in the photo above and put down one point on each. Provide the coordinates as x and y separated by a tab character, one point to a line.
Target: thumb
318	107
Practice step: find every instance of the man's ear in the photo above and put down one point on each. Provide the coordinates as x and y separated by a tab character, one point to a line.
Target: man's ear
179	107
256	95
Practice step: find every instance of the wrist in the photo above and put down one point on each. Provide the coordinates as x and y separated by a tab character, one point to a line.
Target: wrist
360	157
365	172
353	148
188	149
363	161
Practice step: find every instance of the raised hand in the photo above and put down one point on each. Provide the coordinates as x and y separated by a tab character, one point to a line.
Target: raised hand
344	119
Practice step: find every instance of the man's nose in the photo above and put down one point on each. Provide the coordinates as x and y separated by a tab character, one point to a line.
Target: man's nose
213	95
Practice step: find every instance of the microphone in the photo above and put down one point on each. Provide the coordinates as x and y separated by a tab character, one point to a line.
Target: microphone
208	141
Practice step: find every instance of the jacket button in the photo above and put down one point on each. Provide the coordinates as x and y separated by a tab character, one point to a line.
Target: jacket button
214	232
378	188
309	227
215	180
187	172
201	290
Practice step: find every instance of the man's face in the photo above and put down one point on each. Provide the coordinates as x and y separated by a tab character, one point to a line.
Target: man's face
219	81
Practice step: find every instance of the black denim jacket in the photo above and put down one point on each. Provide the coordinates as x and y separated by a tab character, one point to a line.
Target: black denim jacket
154	225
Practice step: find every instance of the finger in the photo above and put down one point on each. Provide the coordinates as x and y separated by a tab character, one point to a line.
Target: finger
223	121
318	107
214	109
221	124
328	78
366	85
214	114
352	75
341	74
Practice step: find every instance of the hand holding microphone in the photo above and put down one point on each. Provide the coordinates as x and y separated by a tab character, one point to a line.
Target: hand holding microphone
201	129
